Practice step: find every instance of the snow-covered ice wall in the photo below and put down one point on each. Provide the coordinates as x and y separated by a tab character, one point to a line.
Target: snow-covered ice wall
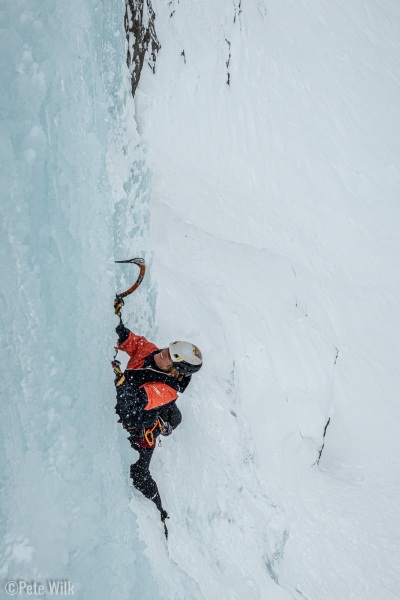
264	151
71	166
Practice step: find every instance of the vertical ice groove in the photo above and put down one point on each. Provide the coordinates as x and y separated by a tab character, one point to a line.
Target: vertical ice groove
67	148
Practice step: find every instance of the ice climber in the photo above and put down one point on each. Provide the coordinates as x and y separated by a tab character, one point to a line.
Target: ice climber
146	397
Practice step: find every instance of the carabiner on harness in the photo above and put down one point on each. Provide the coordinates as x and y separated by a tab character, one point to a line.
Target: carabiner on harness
149	435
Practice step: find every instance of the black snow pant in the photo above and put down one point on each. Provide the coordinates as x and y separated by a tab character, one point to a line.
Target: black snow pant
140	473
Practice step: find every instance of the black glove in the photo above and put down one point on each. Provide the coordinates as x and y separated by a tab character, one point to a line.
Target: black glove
166	428
164	514
118	304
123	333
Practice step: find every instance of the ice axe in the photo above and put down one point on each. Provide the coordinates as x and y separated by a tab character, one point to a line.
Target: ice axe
119	302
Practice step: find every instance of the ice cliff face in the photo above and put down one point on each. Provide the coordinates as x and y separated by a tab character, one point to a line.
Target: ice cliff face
68	165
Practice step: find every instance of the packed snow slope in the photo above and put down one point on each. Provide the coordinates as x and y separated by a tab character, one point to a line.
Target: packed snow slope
272	136
256	170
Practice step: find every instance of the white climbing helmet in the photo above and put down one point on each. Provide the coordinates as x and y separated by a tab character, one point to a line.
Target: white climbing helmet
186	357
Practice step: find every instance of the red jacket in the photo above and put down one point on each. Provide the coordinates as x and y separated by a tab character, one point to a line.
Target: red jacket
138	348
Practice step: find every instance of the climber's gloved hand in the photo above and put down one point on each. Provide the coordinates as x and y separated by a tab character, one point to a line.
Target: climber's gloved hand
123	332
166	428
174	372
118	304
